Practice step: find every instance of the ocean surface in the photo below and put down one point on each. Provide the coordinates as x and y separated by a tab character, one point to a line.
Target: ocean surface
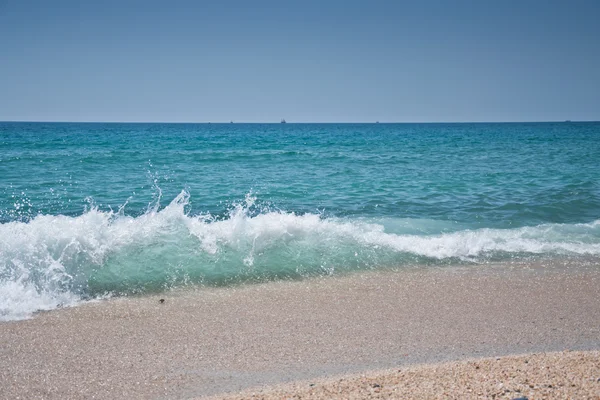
95	210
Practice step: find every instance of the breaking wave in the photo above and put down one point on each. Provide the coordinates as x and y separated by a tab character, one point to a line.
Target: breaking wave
55	260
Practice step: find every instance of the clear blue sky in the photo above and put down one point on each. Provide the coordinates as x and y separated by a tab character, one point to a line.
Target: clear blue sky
305	61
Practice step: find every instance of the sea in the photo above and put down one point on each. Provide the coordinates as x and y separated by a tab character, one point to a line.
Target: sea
96	210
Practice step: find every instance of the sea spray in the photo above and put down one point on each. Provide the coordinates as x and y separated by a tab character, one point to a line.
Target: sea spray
55	260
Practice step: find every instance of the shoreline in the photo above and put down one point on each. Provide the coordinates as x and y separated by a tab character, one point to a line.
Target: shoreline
214	341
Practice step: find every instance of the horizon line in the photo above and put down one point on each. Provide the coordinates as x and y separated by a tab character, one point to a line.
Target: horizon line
298	122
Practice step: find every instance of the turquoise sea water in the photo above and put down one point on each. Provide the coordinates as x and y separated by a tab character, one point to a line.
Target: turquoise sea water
88	210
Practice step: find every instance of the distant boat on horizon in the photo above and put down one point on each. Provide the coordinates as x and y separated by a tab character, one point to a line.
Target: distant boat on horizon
283	121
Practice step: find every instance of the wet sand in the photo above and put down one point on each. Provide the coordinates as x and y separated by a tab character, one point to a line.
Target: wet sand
213	341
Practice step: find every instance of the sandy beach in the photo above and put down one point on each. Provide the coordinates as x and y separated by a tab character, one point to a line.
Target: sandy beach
561	375
223	341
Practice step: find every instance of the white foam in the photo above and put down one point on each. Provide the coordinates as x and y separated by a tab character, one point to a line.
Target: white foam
19	300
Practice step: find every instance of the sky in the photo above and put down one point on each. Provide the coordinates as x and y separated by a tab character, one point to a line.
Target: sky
305	61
